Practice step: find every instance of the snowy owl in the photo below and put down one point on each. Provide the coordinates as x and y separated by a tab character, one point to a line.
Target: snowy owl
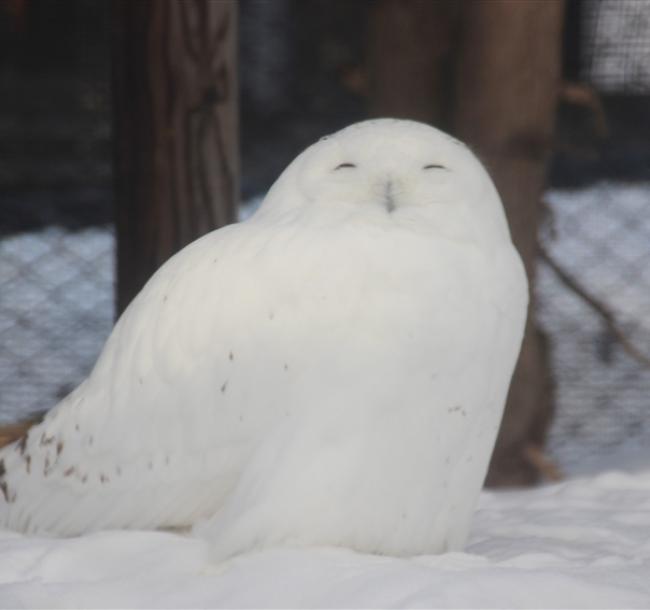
331	372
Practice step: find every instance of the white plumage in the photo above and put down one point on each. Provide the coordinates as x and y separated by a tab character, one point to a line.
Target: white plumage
330	372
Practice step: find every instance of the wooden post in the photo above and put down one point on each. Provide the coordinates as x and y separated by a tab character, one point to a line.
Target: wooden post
507	85
408	43
175	129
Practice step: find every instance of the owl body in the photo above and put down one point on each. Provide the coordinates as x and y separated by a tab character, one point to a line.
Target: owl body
330	372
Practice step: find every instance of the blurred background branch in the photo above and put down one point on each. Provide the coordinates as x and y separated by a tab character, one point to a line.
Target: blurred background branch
598	306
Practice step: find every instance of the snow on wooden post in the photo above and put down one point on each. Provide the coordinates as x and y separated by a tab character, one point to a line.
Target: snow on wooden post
175	129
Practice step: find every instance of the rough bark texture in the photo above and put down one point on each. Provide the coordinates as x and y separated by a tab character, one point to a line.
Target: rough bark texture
175	129
501	61
507	84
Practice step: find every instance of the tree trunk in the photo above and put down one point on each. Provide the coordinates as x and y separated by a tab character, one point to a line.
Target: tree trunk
175	129
507	85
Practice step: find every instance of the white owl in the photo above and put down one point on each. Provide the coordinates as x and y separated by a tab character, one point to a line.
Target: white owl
330	372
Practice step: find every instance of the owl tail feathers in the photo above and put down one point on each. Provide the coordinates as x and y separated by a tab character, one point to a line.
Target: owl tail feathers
17	431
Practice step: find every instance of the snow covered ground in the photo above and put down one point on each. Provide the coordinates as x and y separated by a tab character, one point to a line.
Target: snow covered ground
584	543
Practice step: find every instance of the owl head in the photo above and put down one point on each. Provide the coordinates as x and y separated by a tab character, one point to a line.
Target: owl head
396	173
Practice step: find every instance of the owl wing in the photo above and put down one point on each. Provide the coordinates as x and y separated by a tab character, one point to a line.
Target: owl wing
133	446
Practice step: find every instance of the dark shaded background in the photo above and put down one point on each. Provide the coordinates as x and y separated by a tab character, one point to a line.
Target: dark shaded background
301	72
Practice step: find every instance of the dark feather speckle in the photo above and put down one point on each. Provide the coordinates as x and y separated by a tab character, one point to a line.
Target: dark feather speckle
5	492
22	444
46	440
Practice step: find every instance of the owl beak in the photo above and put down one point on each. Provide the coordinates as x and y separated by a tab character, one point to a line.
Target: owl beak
389	196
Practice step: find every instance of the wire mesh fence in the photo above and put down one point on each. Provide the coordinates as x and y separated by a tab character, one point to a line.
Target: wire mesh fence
616	45
600	236
56	309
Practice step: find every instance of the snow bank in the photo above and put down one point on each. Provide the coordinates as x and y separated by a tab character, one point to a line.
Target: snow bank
584	543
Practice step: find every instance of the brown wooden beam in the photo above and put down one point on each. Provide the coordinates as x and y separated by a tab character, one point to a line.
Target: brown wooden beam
175	129
507	87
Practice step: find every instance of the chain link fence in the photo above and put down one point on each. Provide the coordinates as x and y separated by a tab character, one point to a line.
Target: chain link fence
600	238
616	45
56	309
